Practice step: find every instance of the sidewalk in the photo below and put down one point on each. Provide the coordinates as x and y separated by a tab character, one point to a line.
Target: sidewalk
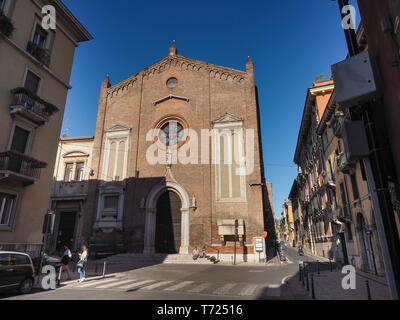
328	286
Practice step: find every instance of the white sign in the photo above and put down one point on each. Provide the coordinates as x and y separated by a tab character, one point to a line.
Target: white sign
259	244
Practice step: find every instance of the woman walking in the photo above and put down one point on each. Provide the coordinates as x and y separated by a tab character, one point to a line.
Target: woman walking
67	255
83	256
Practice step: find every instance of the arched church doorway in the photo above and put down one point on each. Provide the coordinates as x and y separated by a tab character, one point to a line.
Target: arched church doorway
168	223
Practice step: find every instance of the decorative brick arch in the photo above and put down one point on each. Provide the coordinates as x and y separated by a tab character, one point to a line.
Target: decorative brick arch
150	220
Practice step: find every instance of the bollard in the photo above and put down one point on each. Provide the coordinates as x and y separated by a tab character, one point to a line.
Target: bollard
330	264
308	285
104	270
312	287
299	272
368	290
59	277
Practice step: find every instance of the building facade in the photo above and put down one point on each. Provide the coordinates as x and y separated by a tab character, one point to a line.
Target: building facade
35	68
69	191
142	197
331	193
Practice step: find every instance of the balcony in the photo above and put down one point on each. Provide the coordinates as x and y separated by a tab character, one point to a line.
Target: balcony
337	126
6	26
69	190
344	164
41	54
18	168
329	181
31	107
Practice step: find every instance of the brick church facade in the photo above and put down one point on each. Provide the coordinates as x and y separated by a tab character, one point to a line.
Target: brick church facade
134	205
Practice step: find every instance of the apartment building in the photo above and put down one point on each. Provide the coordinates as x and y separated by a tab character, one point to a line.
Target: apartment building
35	69
69	192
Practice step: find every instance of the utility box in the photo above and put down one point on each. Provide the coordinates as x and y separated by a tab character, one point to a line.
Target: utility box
355	80
355	140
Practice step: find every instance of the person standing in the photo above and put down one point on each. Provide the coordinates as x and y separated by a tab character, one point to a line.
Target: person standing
67	255
195	253
83	256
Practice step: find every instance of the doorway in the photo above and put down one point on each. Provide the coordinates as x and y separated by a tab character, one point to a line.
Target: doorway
168	223
66	230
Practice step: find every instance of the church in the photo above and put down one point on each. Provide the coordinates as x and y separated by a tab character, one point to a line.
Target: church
134	204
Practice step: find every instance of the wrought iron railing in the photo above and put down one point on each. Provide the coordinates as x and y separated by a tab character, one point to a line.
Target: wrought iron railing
19	163
31	104
41	54
6	26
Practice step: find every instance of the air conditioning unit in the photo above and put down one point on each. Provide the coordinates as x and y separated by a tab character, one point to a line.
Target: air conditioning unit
354	140
355	80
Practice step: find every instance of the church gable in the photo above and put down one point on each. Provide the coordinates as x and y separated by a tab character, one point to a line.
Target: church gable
181	63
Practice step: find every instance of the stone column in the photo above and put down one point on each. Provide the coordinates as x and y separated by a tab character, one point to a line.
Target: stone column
184	249
149	231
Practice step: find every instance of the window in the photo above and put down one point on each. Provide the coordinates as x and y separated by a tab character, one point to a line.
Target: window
116	155
229	149
4	257
171	133
20	140
349	231
110	206
40	37
6	207
344	200
68	172
2	3
19	259
79	171
32	82
356	194
363	173
172	82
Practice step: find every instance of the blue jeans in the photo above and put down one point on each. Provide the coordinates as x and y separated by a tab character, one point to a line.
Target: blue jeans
81	273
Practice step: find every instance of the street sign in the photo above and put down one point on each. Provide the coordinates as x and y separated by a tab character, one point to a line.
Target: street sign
259	244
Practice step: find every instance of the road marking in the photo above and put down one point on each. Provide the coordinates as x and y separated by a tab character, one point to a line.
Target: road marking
225	289
114	284
248	290
156	285
179	286
200	288
94	283
135	285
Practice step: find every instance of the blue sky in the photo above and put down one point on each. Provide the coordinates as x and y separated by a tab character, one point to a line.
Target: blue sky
289	41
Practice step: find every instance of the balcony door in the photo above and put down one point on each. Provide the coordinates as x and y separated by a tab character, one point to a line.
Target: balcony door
18	144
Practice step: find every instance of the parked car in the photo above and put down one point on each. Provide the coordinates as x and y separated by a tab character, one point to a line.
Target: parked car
16	272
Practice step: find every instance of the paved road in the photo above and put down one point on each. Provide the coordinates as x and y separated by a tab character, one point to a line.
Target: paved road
181	282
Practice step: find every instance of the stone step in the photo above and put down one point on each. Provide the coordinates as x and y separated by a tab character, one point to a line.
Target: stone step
159	258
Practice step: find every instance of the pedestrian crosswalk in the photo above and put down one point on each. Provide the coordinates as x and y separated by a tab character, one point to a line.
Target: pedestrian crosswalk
172	286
